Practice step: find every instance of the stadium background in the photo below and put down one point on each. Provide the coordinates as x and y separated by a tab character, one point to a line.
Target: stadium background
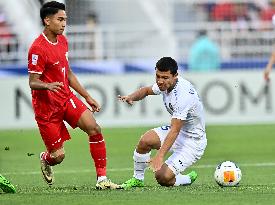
114	45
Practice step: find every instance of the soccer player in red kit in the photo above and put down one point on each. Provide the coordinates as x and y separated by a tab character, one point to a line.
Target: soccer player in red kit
50	79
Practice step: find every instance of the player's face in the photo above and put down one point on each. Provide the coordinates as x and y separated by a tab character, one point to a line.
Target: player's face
165	80
57	22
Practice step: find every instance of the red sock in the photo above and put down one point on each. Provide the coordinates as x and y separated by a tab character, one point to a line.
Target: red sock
98	152
47	157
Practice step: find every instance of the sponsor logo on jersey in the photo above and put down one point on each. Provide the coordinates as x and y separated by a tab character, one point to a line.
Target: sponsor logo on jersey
171	107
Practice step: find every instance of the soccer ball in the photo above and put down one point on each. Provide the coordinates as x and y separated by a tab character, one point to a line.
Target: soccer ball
228	174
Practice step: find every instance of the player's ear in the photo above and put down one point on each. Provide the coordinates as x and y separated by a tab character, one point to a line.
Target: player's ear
47	21
176	75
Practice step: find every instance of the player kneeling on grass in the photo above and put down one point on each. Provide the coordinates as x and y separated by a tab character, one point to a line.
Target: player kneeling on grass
185	137
50	79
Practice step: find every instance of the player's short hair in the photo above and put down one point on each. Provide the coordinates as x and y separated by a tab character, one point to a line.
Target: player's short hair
50	8
167	64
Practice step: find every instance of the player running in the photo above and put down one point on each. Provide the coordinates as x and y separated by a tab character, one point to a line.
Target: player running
50	79
185	137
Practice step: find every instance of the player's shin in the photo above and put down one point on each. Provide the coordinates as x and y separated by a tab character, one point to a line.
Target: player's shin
140	164
98	153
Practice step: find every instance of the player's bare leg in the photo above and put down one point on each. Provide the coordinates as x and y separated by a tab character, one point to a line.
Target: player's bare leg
88	124
147	142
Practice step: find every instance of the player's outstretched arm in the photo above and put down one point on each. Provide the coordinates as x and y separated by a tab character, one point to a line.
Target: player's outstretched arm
137	95
269	66
75	84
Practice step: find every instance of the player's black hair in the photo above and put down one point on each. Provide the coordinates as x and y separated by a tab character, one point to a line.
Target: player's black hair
50	8
167	64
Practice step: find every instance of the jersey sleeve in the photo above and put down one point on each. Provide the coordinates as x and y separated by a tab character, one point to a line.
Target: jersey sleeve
36	60
156	89
182	105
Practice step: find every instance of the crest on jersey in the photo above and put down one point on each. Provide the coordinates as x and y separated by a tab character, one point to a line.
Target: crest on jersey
34	59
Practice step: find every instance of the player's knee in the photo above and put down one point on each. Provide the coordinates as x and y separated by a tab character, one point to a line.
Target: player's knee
163	179
58	159
148	141
93	129
144	143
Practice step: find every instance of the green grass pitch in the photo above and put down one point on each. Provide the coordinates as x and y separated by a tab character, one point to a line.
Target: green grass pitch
252	147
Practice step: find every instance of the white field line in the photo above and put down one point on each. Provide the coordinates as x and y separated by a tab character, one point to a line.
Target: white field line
206	166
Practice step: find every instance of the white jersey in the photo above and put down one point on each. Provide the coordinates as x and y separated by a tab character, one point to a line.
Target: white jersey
184	103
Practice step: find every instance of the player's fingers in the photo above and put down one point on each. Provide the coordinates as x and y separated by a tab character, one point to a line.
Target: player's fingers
56	87
98	109
59	83
120	97
130	102
97	106
123	99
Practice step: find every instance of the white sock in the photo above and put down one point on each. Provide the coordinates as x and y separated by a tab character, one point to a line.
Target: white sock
101	178
140	164
182	180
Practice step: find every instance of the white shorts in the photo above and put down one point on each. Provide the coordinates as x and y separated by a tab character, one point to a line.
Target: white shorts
185	150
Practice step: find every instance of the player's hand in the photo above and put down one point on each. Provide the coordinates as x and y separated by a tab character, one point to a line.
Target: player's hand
55	86
155	163
126	99
94	105
266	74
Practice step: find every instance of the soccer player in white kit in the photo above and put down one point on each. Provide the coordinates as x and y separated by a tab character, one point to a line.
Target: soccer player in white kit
185	137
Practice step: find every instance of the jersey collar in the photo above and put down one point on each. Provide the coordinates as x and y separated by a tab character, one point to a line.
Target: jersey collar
177	81
49	40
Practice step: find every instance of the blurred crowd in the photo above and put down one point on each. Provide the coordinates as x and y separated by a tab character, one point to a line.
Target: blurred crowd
5	34
242	13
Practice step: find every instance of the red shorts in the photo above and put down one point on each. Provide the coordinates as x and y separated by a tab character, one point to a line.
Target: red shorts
53	131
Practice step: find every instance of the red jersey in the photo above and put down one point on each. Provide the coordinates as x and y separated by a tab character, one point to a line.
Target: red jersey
51	61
